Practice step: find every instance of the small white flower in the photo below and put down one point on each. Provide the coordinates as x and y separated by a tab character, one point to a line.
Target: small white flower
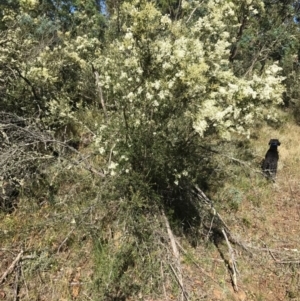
185	173
156	84
161	94
222	90
130	96
113	165
155	103
128	35
165	20
166	65
149	96
123	75
170	84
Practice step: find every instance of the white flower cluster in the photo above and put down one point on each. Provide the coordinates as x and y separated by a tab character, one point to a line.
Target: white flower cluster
159	64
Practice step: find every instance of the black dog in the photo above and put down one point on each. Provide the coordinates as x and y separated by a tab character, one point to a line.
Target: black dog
269	164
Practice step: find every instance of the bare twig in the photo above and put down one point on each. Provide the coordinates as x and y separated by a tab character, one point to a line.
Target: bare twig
99	91
110	154
272	255
65	240
203	197
193	11
241	162
11	267
210	227
255	60
87	166
234	49
33	89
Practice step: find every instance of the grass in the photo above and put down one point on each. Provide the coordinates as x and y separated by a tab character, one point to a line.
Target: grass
84	242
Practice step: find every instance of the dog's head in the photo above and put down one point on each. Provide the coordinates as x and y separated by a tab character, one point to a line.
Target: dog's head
274	142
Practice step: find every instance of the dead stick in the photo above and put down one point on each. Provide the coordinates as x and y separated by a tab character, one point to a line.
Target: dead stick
210	227
16	288
288	262
65	240
272	255
179	282
176	255
232	261
171	237
163	280
98	85
11	267
201	195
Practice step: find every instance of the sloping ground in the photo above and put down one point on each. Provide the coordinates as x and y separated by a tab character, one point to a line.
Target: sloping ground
59	262
266	224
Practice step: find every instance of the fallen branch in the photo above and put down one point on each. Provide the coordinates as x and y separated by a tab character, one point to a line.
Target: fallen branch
201	196
17	278
163	277
178	275
179	282
210	227
232	263
272	255
289	262
11	267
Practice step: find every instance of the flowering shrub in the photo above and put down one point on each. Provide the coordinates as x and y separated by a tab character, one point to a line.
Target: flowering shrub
164	85
170	79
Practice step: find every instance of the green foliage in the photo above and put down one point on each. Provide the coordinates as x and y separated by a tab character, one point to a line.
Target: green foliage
168	87
160	97
261	40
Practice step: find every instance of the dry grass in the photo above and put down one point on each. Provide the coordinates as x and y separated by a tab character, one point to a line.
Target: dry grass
263	217
267	223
